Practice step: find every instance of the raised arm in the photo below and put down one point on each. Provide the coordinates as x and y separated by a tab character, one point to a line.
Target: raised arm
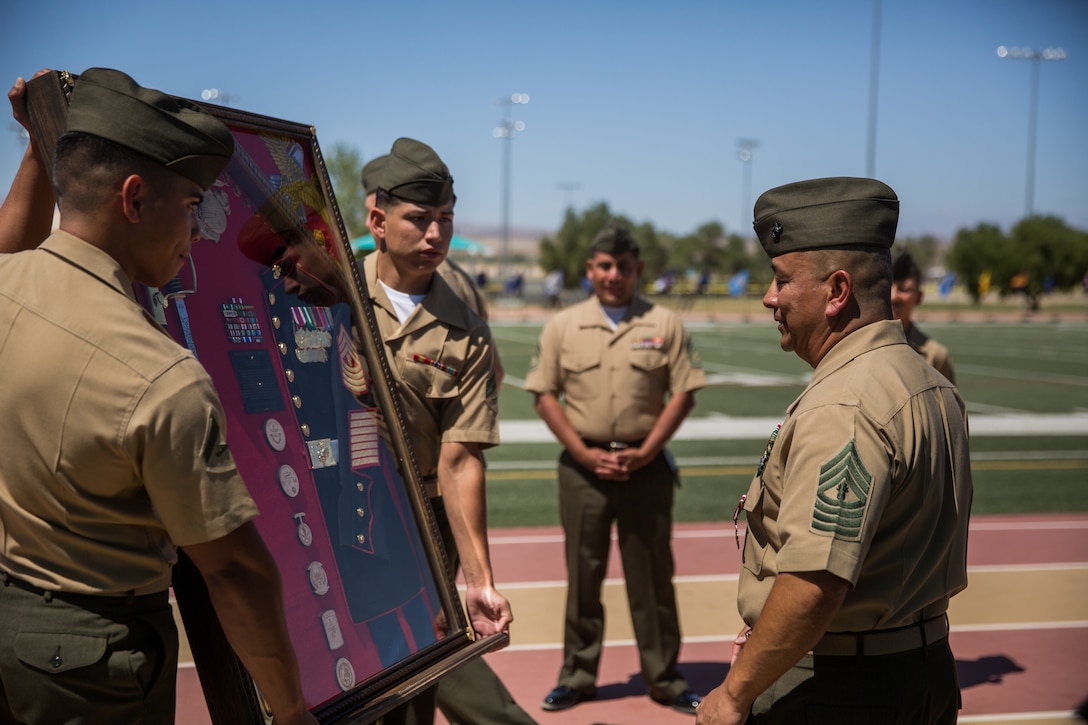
26	214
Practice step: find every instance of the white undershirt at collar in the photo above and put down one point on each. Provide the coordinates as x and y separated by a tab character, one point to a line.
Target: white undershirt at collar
614	314
403	303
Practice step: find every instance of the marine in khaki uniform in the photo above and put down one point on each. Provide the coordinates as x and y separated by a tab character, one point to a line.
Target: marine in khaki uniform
906	295
115	441
456	276
627	374
441	354
857	516
471	695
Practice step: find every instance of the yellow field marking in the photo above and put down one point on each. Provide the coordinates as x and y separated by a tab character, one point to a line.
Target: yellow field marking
746	471
708	606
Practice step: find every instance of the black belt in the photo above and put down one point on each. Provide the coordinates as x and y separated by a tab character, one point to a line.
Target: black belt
613	445
883	641
88	601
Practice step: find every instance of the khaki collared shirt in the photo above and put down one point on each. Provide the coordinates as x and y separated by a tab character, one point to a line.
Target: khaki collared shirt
462	284
869	478
442	362
614	383
113	436
931	351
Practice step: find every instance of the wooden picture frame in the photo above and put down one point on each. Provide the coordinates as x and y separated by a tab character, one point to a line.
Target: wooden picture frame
274	306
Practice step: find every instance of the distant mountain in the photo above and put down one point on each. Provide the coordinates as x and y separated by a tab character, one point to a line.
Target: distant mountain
523	240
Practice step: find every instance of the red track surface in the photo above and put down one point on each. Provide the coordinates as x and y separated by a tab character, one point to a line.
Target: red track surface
1020	631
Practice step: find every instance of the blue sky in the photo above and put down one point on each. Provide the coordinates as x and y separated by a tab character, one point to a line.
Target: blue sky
638	104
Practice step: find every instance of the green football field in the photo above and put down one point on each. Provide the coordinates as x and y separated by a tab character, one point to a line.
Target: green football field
1026	387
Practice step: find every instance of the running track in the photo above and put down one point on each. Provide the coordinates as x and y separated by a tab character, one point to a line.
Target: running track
1019	631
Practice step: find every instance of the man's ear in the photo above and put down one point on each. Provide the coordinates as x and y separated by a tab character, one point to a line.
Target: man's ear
375	221
840	290
133	197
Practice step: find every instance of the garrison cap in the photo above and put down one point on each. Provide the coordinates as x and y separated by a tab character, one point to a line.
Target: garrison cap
615	239
829	213
176	133
413	171
372	174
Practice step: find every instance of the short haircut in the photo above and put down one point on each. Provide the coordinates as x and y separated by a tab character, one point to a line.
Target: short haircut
905	268
870	269
87	168
615	239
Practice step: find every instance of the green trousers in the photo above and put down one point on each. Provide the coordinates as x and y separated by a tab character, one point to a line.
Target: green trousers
470	695
103	663
911	688
641	508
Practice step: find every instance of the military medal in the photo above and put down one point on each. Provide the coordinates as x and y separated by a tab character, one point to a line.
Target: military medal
319	580
288	480
305	535
311	333
275	435
345	674
331	625
322	452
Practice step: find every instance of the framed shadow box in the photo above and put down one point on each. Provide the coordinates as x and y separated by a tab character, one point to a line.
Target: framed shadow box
273	305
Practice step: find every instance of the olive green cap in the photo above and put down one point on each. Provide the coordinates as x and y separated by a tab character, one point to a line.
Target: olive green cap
615	239
413	172
372	174
839	212
177	133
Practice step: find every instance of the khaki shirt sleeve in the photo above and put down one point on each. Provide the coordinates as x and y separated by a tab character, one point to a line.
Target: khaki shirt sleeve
685	367
544	374
472	417
178	429
836	485
936	355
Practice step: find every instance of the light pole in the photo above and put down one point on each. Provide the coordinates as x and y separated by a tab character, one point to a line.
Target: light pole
569	187
1036	57
745	146
874	84
505	131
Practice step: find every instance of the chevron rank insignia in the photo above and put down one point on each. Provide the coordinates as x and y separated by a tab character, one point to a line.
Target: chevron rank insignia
842	495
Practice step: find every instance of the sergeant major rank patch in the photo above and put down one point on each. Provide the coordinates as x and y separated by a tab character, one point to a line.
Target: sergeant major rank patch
842	494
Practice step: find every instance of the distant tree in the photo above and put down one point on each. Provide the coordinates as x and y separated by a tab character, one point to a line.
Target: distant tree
925	250
345	165
1041	254
708	248
737	256
977	252
653	250
1050	255
703	250
569	248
